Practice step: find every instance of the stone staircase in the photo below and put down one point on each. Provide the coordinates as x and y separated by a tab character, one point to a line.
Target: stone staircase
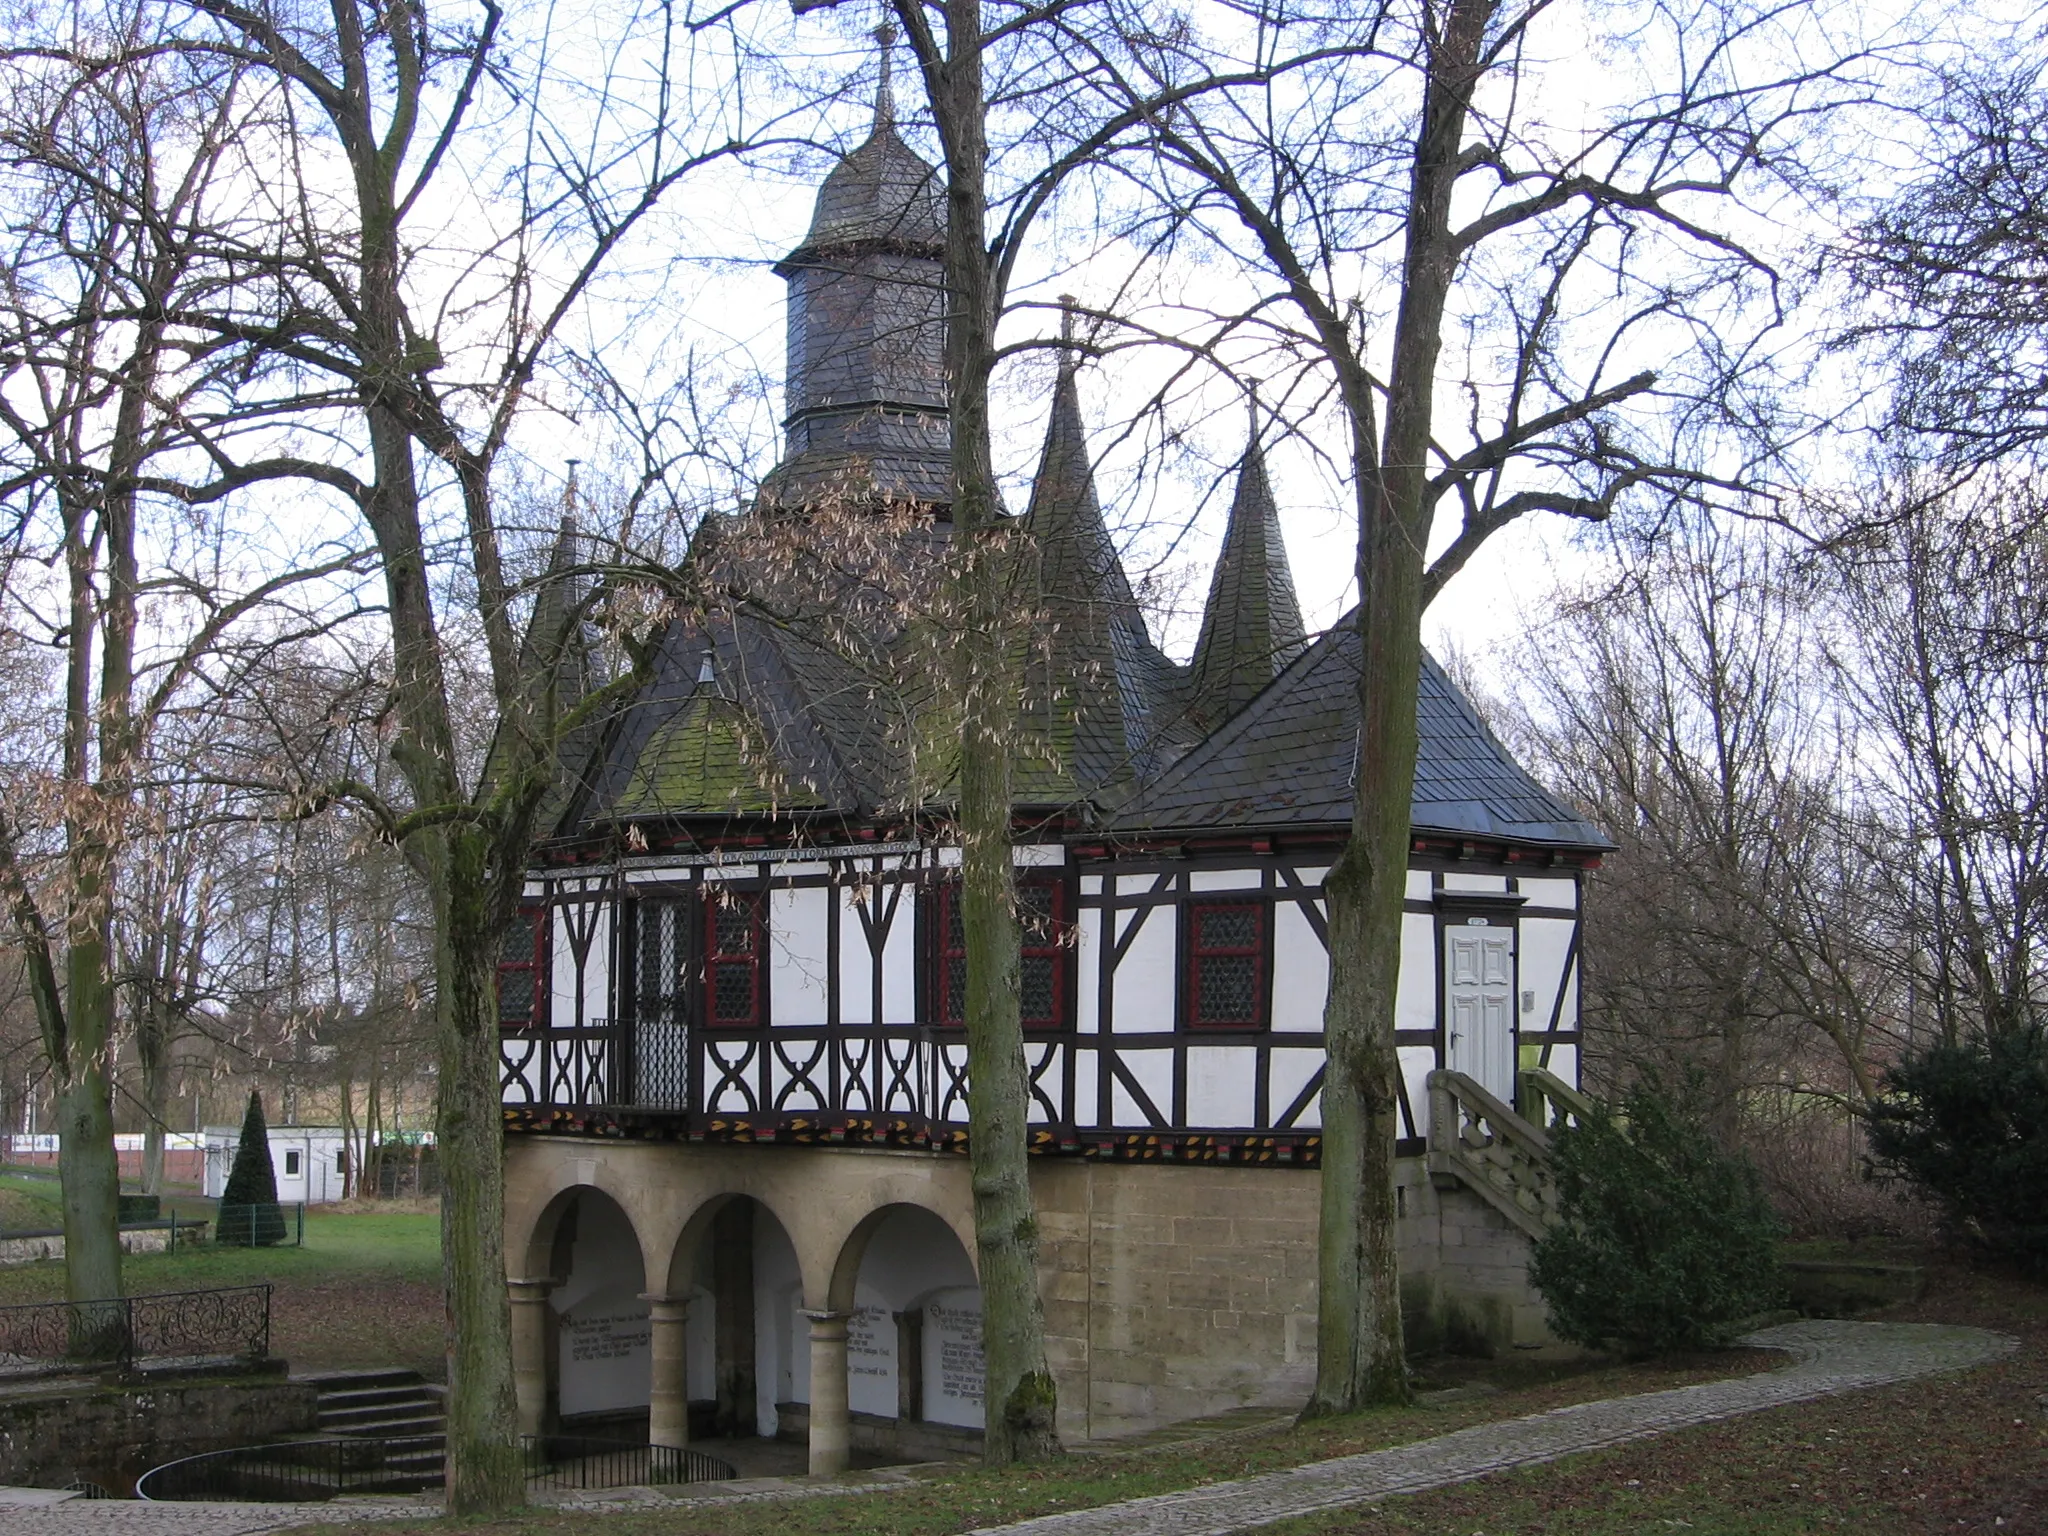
1479	1143
394	1405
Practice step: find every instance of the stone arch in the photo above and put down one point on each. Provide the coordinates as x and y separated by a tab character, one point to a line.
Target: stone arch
735	1271
572	1180
851	1248
906	1285
581	1344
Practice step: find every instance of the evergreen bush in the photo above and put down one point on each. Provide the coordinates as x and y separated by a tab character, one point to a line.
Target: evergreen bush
1665	1243
249	1213
1968	1123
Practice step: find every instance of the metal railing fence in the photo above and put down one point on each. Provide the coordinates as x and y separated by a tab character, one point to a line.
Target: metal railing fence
269	1224
312	1471
231	1321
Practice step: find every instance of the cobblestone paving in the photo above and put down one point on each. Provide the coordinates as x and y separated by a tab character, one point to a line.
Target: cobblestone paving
1832	1357
131	1517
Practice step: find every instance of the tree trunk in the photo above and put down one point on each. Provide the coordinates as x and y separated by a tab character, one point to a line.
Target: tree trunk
1019	1398
370	1177
485	1471
152	1054
88	1170
1360	1358
351	1168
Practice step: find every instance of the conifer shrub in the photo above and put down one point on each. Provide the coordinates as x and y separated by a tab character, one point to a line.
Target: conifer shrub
1665	1243
249	1213
1967	1123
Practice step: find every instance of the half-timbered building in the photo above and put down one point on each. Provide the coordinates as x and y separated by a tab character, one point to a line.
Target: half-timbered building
734	1076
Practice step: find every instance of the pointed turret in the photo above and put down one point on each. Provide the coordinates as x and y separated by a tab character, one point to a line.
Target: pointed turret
1252	625
1106	693
558	658
866	389
558	629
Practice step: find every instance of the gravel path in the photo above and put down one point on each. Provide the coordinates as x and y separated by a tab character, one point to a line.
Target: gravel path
1832	1357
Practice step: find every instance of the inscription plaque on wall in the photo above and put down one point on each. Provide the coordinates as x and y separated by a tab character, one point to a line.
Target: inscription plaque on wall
952	1356
871	1361
606	1361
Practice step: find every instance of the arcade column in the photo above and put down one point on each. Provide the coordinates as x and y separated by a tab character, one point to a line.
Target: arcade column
831	1426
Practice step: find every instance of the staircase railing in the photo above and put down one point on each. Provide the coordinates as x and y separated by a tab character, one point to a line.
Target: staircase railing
1547	1101
1479	1142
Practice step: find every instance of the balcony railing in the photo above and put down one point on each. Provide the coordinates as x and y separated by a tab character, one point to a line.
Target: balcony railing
886	1073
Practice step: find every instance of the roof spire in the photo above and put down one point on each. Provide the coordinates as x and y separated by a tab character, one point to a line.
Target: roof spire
1070	348
1251	627
885	93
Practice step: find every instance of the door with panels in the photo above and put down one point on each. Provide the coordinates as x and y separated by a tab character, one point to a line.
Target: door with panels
1479	1003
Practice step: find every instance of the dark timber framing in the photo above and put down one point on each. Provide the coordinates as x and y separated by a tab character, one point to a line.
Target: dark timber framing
860	1074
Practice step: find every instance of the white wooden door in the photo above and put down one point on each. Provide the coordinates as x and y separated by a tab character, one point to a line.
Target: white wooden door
1479	1006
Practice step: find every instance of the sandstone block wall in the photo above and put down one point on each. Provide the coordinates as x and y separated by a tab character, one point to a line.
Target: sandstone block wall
1170	1290
60	1432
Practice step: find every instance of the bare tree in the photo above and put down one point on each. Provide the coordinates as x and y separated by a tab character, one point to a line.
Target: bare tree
1682	698
117	170
1951	274
1939	658
395	358
1386	178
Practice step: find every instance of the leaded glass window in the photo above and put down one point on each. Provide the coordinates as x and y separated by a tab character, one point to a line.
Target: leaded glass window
661	955
519	968
1226	965
732	959
1041	976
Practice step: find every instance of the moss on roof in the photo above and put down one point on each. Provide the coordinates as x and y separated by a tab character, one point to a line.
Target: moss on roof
712	758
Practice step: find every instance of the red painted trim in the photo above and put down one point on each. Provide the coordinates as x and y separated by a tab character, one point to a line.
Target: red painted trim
749	961
951	1013
1197	950
535	968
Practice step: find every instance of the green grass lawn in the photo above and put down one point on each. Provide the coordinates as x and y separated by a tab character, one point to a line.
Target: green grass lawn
364	1290
28	1205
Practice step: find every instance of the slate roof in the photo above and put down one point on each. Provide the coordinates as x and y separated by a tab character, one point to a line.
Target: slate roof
1110	700
1289	758
866	390
883	191
1251	626
879	456
742	719
558	620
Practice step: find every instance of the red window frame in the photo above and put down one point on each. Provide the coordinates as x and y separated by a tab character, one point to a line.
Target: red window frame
528	959
1200	949
720	962
1048	944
